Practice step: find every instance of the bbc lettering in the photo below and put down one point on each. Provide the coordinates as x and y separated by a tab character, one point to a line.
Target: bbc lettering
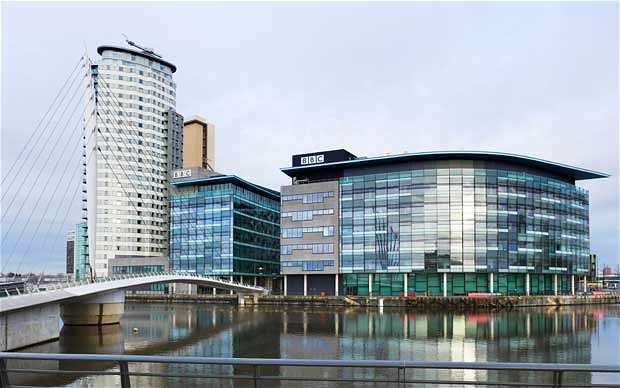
182	174
313	159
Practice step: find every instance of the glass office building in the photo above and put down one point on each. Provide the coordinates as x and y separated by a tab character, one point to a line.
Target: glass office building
453	223
223	225
81	265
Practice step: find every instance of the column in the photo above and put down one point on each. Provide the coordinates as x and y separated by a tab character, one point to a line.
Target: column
305	285
231	279
241	279
214	291
285	285
405	276
585	283
572	285
337	324
445	284
528	325
369	284
555	284
255	277
527	284
491	283
336	284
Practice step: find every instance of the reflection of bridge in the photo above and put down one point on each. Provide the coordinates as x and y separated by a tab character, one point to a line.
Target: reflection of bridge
114	339
32	317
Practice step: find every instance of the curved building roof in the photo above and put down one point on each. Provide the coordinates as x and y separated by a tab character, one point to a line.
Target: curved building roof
144	54
216	179
574	173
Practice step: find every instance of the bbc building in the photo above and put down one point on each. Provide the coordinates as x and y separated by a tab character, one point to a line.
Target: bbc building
222	225
433	223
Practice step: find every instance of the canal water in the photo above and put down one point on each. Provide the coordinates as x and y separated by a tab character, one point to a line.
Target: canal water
583	334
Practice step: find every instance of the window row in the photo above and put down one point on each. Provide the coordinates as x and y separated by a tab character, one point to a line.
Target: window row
309	197
316	248
307	215
327	231
309	265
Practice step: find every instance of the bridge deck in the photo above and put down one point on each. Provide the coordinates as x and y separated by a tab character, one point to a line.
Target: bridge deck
75	291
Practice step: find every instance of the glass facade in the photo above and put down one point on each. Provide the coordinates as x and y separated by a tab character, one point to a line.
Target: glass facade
116	269
80	252
224	229
463	221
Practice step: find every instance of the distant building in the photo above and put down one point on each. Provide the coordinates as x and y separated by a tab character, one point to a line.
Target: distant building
174	122
607	271
81	265
225	226
70	251
140	265
592	269
198	143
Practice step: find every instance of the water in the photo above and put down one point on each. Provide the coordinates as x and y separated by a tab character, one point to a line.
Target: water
587	334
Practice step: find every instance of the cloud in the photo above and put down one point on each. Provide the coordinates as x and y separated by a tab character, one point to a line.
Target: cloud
539	79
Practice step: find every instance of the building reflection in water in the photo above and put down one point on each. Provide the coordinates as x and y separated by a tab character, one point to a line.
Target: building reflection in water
533	335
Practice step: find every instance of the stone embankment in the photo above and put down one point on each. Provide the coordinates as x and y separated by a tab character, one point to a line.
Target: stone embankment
416	303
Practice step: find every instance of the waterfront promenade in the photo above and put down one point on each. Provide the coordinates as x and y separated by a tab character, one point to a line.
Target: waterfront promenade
401	302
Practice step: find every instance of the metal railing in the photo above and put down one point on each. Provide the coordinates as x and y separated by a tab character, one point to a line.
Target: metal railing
30	288
398	370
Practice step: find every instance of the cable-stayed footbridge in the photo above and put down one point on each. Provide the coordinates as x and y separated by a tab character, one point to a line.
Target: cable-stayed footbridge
32	316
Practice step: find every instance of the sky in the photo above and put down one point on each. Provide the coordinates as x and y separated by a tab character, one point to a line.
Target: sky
532	78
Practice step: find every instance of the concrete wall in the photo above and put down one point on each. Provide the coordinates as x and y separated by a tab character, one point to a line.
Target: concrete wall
310	238
137	261
30	326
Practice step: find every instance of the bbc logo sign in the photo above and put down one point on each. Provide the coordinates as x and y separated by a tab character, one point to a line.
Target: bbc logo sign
181	174
313	159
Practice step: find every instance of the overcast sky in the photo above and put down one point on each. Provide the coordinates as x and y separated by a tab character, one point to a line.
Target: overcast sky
539	79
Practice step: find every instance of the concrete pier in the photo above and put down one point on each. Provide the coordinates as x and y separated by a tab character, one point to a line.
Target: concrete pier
27	327
102	309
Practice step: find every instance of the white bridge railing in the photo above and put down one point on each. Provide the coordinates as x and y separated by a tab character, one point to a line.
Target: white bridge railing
30	288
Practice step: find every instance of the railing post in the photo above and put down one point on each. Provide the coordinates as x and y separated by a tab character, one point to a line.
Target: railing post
255	376
4	377
557	378
125	382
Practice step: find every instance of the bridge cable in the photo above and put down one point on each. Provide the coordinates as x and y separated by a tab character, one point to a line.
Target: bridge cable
49	155
64	196
137	140
129	132
45	136
124	172
138	213
111	149
27	144
70	203
42	188
34	208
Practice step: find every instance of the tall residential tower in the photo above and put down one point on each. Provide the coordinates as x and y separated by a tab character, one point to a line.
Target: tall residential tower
130	94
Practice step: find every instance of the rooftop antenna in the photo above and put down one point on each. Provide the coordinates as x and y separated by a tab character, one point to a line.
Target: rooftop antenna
146	50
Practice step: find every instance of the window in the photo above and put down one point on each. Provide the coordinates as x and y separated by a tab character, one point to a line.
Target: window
327	231
309	197
316	248
306	215
309	265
